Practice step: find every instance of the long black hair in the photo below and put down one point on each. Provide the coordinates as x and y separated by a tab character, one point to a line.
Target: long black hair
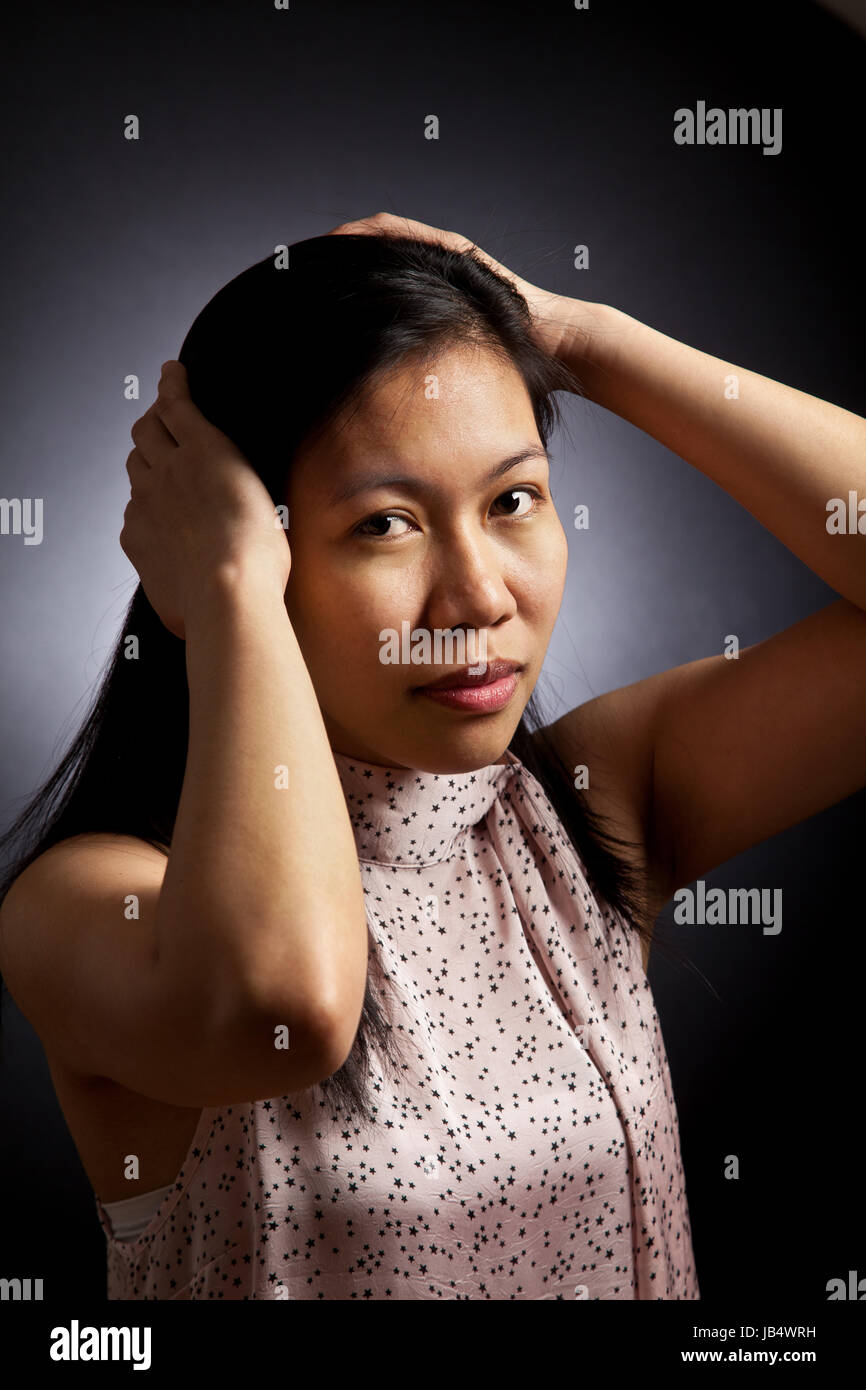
273	359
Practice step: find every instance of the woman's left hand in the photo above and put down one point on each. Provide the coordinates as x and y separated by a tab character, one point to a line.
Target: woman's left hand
551	313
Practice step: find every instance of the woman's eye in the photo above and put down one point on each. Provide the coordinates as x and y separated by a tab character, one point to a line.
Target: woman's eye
376	527
381	517
529	493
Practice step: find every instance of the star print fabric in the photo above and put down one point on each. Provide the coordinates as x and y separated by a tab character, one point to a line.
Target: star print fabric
528	1147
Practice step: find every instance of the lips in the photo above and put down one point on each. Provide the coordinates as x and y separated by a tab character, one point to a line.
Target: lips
462	677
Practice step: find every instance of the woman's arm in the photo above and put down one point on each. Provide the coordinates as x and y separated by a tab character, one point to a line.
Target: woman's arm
262	892
254	923
780	452
719	754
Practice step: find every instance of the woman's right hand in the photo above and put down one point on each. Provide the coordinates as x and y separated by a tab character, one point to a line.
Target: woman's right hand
198	507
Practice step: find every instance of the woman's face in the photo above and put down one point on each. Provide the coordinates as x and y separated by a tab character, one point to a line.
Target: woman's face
448	548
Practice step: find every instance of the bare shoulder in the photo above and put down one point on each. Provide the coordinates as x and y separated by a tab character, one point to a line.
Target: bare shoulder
79	950
84	855
88	861
46	894
62	922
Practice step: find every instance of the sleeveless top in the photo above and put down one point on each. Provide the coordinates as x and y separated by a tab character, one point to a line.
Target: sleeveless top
528	1145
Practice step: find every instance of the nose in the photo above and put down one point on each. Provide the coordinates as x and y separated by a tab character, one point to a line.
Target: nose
469	588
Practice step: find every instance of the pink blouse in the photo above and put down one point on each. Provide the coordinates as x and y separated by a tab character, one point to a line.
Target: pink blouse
528	1147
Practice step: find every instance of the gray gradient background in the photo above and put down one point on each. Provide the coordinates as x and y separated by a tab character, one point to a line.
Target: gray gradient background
261	127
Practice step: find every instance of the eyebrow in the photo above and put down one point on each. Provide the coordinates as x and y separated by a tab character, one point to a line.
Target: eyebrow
421	485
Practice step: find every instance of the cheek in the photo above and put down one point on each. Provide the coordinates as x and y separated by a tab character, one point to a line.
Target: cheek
560	564
542	570
338	619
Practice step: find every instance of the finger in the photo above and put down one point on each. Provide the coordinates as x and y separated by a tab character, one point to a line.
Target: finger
125	536
378	223
389	222
182	419
356	229
139	471
363	224
151	436
173	381
174	373
174	406
409	227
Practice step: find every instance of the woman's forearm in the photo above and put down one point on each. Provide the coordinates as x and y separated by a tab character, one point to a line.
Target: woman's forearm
781	453
262	894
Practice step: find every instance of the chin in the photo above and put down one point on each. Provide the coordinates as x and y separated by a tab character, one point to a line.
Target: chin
459	750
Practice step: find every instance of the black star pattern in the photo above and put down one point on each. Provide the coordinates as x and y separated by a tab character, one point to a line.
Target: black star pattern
530	1143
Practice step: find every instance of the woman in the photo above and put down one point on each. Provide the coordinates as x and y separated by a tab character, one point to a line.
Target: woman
350	841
